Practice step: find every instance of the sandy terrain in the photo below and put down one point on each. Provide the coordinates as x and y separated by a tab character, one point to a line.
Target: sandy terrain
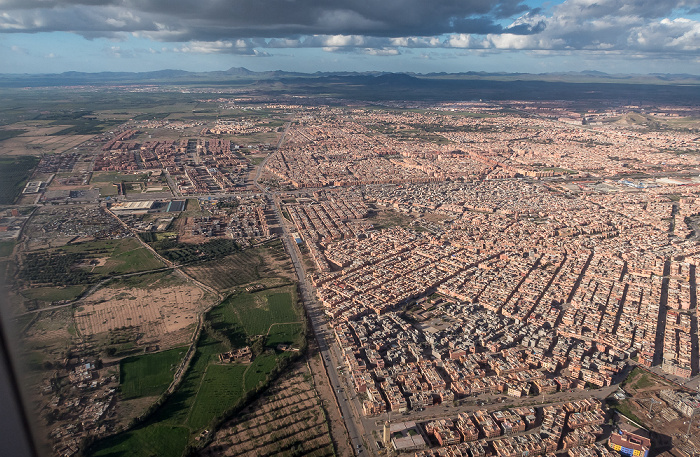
156	311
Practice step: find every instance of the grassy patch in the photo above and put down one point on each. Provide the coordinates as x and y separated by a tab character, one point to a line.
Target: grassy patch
284	334
643	382
147	441
129	258
108	190
260	310
6	248
221	388
11	133
14	173
640	379
51	294
259	370
85	126
150	374
224	318
624	409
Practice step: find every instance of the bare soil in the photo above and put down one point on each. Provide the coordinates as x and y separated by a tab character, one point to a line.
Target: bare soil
289	419
158	311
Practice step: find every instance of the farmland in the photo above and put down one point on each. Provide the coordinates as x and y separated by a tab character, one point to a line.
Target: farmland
14	173
231	271
256	312
288	420
51	294
149	374
222	386
6	248
210	390
287	333
166	306
85	263
183	253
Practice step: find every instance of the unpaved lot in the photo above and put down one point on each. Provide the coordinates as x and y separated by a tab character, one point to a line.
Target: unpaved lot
157	311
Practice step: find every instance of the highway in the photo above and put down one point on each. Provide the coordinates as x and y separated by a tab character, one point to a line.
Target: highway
314	312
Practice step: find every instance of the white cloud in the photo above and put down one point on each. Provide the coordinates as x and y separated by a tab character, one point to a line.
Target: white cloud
381	52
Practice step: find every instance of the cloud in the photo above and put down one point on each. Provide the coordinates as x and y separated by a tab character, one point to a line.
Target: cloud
239	47
212	20
680	35
385	28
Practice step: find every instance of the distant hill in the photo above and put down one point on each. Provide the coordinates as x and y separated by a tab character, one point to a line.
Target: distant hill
587	85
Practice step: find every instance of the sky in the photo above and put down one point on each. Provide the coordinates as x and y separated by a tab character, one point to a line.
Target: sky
421	36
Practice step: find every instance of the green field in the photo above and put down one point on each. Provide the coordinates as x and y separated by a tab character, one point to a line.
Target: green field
6	248
284	334
150	374
150	441
123	256
85	126
11	133
256	312
50	294
221	388
108	190
208	389
14	173
129	257
259	370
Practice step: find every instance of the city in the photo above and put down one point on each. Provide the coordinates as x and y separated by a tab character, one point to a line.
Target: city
217	274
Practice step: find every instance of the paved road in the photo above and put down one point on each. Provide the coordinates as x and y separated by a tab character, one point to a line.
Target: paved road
313	310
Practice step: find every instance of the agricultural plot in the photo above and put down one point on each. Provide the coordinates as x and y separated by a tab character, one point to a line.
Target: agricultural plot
14	173
183	253
267	265
51	294
256	312
6	248
288	420
209	389
288	333
43	140
169	421
128	257
221	387
156	440
86	263
149	374
157	310
229	272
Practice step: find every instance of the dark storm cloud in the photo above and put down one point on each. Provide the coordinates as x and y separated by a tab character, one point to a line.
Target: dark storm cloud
210	20
383	28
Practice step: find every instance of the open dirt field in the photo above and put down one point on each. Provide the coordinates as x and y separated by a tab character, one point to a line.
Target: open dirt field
323	387
157	311
40	140
288	420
